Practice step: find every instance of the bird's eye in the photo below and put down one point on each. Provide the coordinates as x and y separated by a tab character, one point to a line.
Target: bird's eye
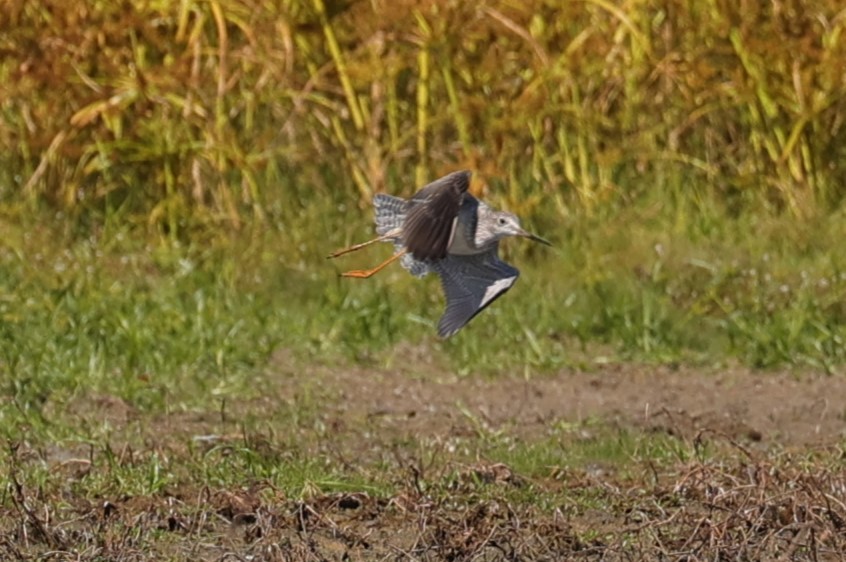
502	221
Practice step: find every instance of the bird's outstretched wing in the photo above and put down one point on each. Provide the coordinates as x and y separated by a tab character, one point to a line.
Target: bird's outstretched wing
470	284
432	214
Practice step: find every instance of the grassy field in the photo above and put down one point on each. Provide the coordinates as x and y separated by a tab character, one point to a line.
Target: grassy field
164	401
184	375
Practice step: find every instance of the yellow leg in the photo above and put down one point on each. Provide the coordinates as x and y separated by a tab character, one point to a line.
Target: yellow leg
354	247
365	273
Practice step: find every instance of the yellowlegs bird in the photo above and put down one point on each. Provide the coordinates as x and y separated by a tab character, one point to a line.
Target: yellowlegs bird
444	229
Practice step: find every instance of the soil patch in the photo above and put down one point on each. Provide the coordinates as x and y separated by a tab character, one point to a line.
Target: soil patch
781	409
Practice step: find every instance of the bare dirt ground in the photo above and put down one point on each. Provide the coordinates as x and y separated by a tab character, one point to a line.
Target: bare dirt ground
774	490
771	408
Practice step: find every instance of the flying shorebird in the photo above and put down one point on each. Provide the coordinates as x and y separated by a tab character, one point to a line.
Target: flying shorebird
444	229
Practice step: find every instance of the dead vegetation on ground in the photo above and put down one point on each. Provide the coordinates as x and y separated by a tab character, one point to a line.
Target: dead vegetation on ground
747	509
727	495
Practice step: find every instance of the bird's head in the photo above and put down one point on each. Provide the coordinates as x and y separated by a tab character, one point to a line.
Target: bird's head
505	224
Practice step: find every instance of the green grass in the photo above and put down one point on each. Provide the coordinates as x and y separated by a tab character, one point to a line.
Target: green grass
182	465
138	366
165	325
174	328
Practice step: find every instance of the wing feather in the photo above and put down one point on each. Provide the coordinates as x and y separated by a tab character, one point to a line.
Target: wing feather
432	216
471	284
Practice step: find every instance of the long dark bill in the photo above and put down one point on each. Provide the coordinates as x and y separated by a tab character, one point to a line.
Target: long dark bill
537	238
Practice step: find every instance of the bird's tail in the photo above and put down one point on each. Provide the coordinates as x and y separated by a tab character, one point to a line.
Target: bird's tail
390	212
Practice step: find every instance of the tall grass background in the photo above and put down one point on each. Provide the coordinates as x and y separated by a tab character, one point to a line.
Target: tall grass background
222	112
173	173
